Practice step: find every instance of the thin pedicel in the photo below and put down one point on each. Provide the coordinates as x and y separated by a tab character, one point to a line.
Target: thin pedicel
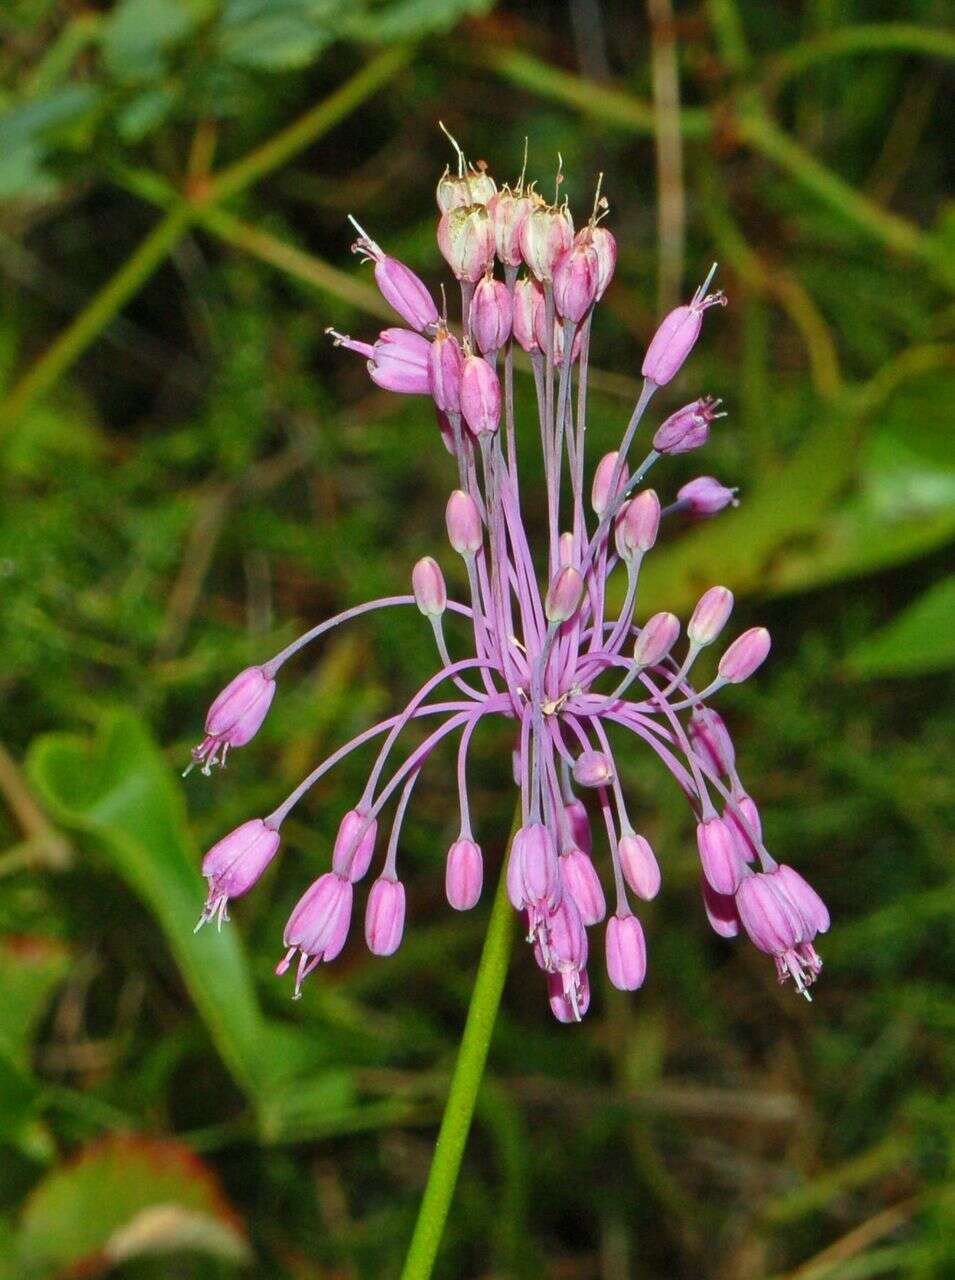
546	654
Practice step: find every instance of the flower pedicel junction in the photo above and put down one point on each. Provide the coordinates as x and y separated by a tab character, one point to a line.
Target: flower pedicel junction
550	661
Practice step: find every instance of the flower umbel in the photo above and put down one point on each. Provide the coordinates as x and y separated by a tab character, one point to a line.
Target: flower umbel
541	646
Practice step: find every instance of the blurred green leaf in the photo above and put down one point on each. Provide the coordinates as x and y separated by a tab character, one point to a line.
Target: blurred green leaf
920	639
139	32
30	969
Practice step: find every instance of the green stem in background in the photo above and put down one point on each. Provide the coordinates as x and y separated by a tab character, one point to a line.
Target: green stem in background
888	37
465	1083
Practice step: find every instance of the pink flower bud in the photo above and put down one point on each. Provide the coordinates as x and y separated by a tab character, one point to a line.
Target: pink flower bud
579	824
566	551
234	864
626	952
235	716
464	875
385	916
464	523
528	300
562	943
637	526
354	845
720	910
557	337
400	362
744	655
688	428
576	273
772	921
318	926
747	842
427	582
466	239
710	615
563	595
547	231
639	866
676	337
480	396
445	363
803	896
721	863
568	1008
592	769
491	314
605	247
711	740
509	212
705	496
600	496
579	878
533	877
657	637
399	285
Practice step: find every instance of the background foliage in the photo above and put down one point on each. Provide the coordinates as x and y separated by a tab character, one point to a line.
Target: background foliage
190	475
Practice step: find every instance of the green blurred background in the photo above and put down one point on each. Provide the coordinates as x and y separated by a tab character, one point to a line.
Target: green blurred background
190	474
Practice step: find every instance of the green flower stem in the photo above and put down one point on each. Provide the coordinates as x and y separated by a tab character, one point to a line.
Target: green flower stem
465	1083
876	37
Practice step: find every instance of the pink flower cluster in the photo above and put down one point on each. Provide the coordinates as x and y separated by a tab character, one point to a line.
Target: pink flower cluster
554	660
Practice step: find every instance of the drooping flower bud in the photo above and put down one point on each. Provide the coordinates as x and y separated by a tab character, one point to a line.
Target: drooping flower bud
579	824
576	273
637	526
385	916
803	896
509	212
626	952
639	865
563	595
466	240
688	428
677	335
657	637
547	231
600	496
720	910
561	945
528	300
579	878
744	655
234	864
445	363
318	926
710	615
399	285
533	877
718	856
480	396
491	314
354	845
464	875
746	826
705	496
711	740
427	582
397	362
592	769
771	919
464	524
235	716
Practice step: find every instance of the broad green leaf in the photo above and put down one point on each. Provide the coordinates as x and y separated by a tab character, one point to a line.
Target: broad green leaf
920	639
122	1198
140	32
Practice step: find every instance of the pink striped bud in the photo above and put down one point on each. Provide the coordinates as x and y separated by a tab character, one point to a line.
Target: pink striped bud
354	845
563	595
480	396
721	863
711	740
745	654
637	526
547	231
705	496
579	823
579	878
509	212
592	769
399	285
235	716
234	864
397	362
600	496
771	919
720	910
657	637
466	240
445	363
747	841
576	273
464	524
639	865
464	875
626	952
688	428
385	916
491	314
804	898
710	615
676	337
605	247
318	926
528	300
568	1007
427	582
533	877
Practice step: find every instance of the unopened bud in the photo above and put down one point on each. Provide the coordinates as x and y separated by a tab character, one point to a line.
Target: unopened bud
528	300
676	337
711	740
509	212
399	362
626	952
430	593
580	880
720	861
745	654
466	239
399	285
491	314
600	496
480	396
547	231
385	916
592	769
445	362
464	875
639	865
354	845
637	525
563	595
606	249
464	523
576	272
657	637
710	616
705	496
688	428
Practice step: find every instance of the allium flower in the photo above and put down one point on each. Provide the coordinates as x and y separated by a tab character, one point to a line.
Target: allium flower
536	642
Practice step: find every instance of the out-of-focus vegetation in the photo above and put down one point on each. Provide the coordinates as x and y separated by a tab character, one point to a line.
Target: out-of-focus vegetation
190	474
